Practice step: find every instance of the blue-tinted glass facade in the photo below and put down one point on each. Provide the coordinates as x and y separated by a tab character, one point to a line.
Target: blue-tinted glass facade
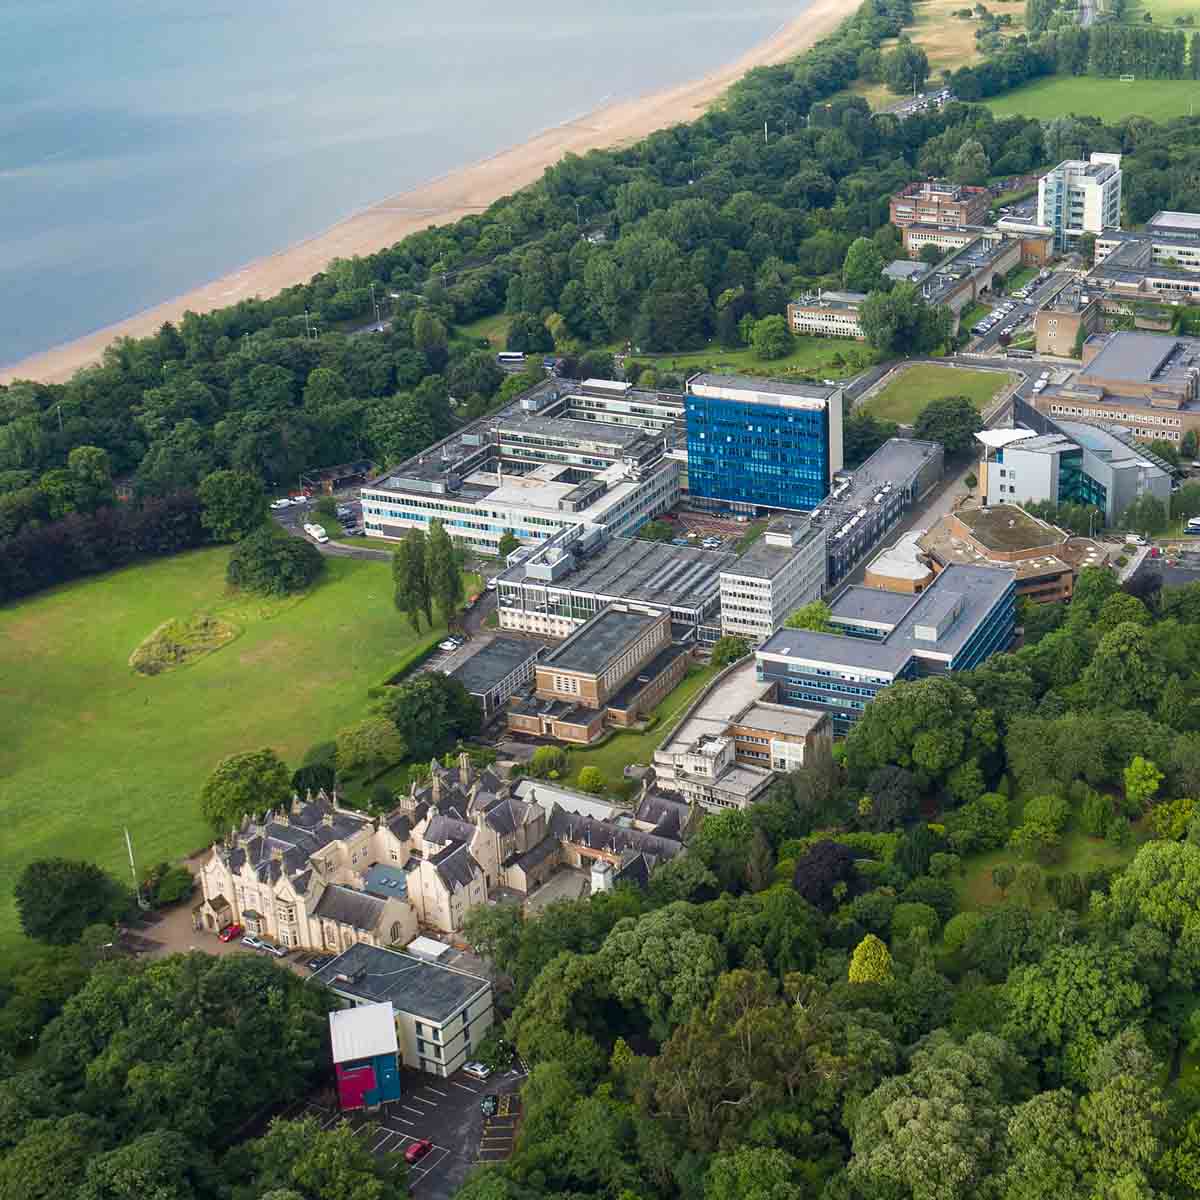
757	453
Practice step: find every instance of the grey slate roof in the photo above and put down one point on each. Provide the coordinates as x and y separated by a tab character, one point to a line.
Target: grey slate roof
348	907
605	835
442	829
455	866
490	665
413	985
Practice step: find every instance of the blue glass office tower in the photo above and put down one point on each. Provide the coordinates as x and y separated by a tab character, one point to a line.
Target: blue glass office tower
760	442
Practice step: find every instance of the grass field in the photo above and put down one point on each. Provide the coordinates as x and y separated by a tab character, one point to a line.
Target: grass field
1083	854
494	328
948	42
622	749
1107	99
92	747
904	398
810	354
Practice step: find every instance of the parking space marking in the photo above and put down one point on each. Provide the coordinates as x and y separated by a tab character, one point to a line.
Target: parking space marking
421	1100
462	1085
394	1117
330	1122
435	1091
418	1111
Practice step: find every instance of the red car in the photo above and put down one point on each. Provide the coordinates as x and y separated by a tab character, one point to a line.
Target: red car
418	1150
230	933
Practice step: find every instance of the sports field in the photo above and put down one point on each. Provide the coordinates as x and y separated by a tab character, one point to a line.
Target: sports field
1108	99
908	393
90	747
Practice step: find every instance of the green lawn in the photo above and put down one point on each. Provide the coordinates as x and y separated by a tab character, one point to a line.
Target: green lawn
622	749
973	315
809	355
494	328
1108	99
1019	278
908	393
1083	854
92	747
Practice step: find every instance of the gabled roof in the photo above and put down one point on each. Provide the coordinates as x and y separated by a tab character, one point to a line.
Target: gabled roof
455	866
347	907
442	829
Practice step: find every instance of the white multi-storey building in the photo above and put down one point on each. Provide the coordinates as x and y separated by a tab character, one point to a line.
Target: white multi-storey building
561	455
781	572
1080	197
827	314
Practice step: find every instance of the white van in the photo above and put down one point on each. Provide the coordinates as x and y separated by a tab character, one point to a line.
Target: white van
1193	525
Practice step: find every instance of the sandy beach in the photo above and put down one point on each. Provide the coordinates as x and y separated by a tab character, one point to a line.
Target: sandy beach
467	190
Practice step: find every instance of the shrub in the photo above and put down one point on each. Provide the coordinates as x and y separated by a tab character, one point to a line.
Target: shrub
1171	819
1094	812
1050	810
910	917
547	759
942	866
273	562
174	884
382	797
937	893
980	825
591	779
959	930
1037	841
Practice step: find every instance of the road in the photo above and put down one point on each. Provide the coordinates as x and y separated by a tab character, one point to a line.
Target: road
1023	312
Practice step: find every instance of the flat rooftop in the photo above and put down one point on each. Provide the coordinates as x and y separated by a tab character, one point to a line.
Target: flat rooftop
1132	357
1171	220
755	390
902	560
1114	445
634	569
570	428
597	642
779	718
1006	527
898	460
412	985
857	602
765	560
973	590
493	663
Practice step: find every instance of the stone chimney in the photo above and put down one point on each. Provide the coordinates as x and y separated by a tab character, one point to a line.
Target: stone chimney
327	817
276	854
466	772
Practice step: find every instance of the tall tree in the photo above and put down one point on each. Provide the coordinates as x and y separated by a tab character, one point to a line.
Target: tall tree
233	505
252	782
442	571
58	898
410	579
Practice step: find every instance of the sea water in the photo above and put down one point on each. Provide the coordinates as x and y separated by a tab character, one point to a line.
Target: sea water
148	146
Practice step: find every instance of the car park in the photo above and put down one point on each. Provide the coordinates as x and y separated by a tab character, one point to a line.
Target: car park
477	1070
417	1150
230	933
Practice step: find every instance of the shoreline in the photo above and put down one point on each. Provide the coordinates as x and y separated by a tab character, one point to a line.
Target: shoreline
457	193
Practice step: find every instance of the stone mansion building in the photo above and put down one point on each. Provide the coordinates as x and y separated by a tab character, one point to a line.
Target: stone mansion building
323	877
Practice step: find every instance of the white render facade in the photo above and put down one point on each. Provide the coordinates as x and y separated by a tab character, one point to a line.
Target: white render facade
1079	197
781	573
